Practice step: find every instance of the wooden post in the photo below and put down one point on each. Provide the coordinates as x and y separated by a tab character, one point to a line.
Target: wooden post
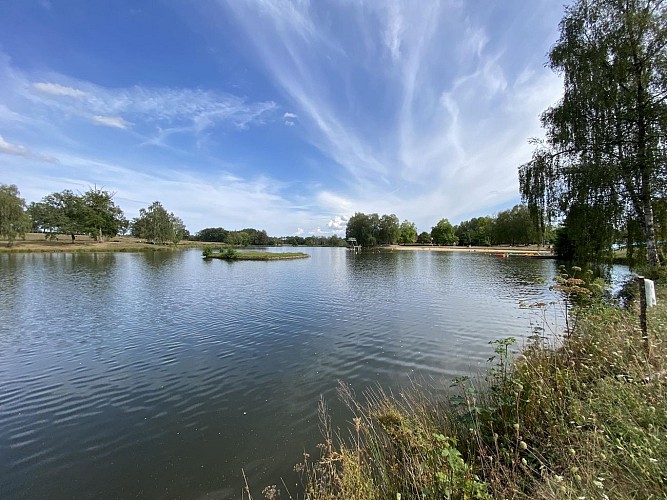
642	313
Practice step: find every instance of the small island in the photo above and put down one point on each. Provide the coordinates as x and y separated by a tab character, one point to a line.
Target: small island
232	254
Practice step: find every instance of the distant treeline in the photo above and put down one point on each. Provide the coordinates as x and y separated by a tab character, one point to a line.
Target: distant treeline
251	236
95	213
511	227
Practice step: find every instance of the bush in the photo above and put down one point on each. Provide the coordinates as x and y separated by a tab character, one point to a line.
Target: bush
230	254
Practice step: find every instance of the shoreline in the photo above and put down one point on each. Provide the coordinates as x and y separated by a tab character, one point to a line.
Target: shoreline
37	243
527	250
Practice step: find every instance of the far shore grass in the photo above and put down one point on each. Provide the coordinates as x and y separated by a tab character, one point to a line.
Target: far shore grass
256	255
37	243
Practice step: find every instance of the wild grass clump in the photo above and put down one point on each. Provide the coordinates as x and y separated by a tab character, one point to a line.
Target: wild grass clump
584	416
395	450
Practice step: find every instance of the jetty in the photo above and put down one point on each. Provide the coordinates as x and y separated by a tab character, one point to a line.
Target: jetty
352	244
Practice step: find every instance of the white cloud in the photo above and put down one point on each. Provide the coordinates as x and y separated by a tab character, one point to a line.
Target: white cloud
12	149
394	30
110	121
338	223
289	119
422	112
156	113
201	200
19	150
334	203
454	120
59	90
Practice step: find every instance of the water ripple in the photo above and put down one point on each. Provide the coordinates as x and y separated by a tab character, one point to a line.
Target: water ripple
130	375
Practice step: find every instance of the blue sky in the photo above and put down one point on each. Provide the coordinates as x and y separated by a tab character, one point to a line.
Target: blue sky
288	116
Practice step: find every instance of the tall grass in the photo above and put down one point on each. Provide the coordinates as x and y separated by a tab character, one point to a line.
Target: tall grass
584	416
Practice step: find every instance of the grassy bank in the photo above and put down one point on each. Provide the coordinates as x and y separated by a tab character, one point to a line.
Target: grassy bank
585	417
36	243
232	254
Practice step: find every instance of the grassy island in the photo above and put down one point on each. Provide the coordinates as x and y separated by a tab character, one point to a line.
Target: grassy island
580	415
232	254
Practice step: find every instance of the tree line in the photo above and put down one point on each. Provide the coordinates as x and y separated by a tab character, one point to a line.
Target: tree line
251	236
514	226
92	213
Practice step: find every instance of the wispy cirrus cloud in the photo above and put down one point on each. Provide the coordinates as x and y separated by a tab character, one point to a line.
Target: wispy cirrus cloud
110	121
55	89
316	110
193	109
152	112
425	110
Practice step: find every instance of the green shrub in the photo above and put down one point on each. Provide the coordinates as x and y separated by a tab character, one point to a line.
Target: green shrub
230	254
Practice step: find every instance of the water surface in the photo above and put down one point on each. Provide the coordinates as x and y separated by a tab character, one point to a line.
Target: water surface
163	375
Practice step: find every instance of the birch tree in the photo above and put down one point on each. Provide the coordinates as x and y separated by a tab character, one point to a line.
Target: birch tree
605	139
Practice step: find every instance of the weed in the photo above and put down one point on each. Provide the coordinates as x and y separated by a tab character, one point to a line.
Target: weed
583	417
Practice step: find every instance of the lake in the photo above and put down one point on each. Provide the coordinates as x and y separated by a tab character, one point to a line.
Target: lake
162	375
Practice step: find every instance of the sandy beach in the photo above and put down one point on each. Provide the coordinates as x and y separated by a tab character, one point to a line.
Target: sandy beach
504	249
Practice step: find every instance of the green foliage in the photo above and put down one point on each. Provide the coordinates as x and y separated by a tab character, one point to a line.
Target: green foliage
158	226
564	247
395	450
364	228
408	232
443	233
389	230
257	237
515	227
605	139
216	234
589	234
57	213
93	213
238	238
244	237
232	254
99	216
424	238
229	254
13	219
371	230
208	251
476	231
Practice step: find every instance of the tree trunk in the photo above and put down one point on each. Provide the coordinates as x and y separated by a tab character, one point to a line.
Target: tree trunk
649	231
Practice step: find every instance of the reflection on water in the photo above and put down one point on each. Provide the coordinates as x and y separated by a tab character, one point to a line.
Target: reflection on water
162	375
